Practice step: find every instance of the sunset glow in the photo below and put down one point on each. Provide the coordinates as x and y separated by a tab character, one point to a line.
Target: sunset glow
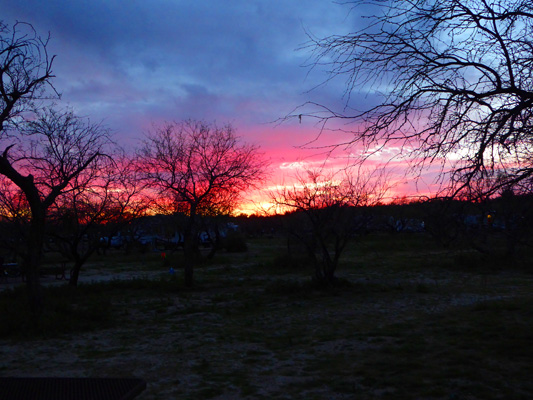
232	63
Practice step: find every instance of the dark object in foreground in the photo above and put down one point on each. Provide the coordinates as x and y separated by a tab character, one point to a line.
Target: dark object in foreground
70	388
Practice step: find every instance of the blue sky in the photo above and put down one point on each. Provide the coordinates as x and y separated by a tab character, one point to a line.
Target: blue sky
133	63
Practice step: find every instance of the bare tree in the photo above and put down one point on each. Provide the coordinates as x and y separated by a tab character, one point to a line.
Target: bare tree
324	207
105	201
25	71
453	80
196	168
46	160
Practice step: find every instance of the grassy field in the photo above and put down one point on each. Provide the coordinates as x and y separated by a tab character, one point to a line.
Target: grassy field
408	320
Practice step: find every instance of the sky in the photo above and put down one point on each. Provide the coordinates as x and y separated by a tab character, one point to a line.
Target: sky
133	64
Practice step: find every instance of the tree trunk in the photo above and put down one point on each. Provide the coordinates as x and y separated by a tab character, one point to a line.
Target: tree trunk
216	244
79	260
32	261
75	274
325	268
80	257
190	249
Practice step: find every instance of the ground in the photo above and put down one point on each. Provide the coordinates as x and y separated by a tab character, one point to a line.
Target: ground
406	321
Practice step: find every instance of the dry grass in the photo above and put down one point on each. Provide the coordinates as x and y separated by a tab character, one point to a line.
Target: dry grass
404	323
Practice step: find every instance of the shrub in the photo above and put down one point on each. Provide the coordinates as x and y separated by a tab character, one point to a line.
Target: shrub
235	243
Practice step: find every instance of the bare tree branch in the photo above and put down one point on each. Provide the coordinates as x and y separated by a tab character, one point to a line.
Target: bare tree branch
455	80
25	70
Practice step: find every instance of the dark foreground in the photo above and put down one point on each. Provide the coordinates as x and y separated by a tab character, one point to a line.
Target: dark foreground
406	321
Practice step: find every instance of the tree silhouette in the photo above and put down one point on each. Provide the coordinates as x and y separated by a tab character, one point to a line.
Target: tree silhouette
51	155
324	207
25	68
195	168
102	200
453	81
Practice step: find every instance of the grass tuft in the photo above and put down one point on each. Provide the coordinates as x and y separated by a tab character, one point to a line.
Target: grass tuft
66	311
